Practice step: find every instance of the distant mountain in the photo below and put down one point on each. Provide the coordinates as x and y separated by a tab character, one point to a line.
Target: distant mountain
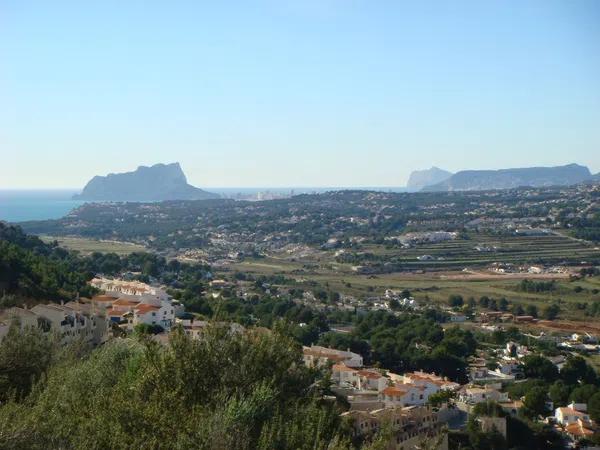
479	180
420	178
159	182
594	178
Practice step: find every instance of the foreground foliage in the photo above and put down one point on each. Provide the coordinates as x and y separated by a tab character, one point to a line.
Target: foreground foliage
244	391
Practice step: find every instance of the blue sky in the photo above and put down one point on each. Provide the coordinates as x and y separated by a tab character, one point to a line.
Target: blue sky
295	93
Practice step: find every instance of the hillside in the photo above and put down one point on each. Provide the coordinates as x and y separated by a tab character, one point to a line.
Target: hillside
418	179
31	269
328	221
158	182
479	180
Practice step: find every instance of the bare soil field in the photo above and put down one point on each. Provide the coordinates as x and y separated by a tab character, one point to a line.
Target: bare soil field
568	326
485	275
87	246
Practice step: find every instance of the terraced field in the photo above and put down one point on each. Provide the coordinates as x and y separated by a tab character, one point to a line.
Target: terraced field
438	279
548	249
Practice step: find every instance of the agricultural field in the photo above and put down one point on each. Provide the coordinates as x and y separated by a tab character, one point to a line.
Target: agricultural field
432	287
87	246
484	249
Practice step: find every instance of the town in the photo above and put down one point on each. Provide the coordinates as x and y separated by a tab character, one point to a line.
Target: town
513	371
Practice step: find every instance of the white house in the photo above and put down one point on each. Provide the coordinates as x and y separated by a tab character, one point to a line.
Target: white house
457	317
371	379
155	312
477	394
70	323
345	376
197	329
509	367
430	381
317	356
403	395
569	415
135	288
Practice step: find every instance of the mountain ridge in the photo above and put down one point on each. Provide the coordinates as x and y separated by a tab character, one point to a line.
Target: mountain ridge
146	183
477	180
419	179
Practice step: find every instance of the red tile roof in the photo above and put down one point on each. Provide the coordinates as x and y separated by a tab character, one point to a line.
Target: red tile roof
394	391
104	298
577	429
145	308
370	374
342	368
125	302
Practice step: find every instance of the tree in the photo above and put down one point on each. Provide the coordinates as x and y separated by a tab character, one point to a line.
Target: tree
489	408
133	393
531	310
576	370
537	366
334	297
559	393
25	355
594	407
535	401
455	301
518	310
441	397
321	295
581	394
147	329
551	312
479	440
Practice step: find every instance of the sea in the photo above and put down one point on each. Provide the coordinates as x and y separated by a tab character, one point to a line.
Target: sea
24	205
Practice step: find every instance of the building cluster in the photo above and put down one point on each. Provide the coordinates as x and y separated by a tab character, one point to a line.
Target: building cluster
132	303
378	398
508	268
503	316
413	426
372	388
124	304
486	384
580	342
424	237
71	322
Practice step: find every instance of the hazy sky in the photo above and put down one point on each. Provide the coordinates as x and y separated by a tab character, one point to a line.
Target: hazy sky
295	93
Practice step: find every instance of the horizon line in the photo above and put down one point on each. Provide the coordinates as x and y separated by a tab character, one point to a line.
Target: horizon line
219	187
